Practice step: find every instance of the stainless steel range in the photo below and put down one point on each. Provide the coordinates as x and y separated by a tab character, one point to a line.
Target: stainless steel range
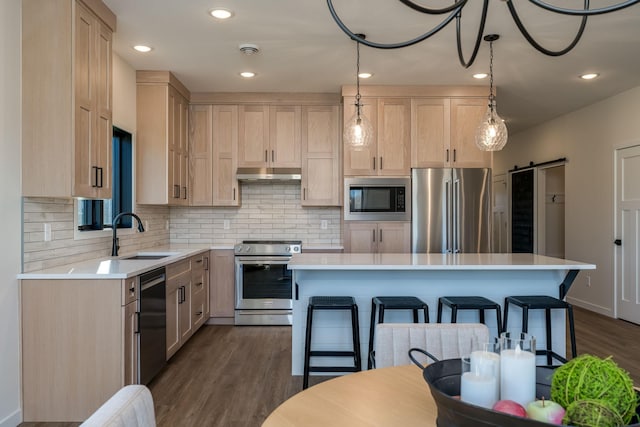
263	282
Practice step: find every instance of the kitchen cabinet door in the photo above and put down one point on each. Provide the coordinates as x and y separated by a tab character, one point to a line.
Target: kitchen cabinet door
430	133
284	136
360	237
321	175
185	311
222	285
394	237
360	162
253	136
226	190
466	114
201	155
130	322
394	137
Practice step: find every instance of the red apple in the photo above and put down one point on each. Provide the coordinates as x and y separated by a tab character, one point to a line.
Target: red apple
510	407
546	411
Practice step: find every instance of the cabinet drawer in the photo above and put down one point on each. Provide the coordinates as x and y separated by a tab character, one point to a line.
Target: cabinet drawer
182	279
178	268
198	309
199	264
129	290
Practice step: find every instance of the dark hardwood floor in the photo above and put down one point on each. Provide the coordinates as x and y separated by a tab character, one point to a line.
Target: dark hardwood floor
235	376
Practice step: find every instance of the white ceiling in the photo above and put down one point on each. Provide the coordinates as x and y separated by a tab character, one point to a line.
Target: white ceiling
303	50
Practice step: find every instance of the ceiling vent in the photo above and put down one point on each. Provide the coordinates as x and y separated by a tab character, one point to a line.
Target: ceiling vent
249	49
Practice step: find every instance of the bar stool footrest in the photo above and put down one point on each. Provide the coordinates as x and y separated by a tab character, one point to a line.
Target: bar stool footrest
333	369
332	353
552	354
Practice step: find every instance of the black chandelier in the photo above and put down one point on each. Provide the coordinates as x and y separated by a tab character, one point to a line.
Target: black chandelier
455	11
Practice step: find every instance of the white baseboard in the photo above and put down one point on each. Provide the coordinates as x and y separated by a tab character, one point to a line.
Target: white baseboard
13	419
605	311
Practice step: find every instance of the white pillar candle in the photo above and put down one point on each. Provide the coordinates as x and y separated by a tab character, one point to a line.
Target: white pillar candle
473	389
518	376
487	363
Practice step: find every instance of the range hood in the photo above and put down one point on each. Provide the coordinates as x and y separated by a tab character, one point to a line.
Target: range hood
269	174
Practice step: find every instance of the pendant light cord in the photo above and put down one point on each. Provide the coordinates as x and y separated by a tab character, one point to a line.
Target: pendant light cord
358	78
491	97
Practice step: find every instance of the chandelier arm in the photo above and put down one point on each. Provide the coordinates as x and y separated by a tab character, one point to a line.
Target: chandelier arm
417	7
398	45
585	12
483	20
539	47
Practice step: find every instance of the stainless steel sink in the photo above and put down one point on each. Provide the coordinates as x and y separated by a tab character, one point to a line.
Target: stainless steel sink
143	257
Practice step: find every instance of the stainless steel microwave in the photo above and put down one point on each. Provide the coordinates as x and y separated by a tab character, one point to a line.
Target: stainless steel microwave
377	199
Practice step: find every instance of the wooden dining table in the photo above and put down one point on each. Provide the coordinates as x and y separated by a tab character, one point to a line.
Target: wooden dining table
394	396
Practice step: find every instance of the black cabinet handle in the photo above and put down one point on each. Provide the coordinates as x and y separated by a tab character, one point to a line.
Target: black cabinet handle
380	236
380	162
266	153
273	156
206	263
617	242
374	163
100	185
297	293
185	193
374	235
454	154
176	191
234	193
94	182
304	194
447	155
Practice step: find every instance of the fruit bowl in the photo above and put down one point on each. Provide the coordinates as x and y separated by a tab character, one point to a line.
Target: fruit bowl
443	378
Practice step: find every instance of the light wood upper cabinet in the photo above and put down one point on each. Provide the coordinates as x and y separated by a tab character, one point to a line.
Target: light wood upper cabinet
226	190
213	155
269	136
394	136
430	132
377	237
66	98
361	161
390	151
321	174
201	155
443	132
162	154
466	114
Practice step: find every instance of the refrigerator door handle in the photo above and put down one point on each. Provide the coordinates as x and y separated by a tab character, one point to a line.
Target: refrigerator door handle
456	216
448	232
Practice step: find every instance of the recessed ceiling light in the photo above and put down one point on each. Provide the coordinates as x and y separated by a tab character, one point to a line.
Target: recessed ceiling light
247	74
589	76
221	14
365	75
480	76
142	48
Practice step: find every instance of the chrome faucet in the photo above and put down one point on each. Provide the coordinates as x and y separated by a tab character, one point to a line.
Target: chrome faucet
114	224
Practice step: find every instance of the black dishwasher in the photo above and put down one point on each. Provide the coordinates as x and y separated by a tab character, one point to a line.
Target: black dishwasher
152	325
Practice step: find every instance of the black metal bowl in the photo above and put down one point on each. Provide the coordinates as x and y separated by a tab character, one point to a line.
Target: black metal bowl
443	378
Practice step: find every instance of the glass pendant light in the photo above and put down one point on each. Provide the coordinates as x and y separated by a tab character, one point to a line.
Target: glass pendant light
492	133
358	131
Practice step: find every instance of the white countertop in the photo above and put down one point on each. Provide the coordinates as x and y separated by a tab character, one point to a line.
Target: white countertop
348	261
115	267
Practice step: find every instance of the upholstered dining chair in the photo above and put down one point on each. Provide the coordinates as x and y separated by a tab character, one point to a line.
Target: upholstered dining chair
131	406
442	340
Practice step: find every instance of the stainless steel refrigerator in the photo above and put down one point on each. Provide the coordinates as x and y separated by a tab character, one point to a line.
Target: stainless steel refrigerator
451	210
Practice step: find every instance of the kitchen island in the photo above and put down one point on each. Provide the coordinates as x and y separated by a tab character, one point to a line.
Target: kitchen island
428	277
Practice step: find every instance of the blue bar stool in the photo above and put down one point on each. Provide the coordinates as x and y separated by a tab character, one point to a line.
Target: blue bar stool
546	303
331	303
470	303
393	303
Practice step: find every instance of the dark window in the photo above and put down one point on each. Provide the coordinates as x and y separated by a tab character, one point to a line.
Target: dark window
99	214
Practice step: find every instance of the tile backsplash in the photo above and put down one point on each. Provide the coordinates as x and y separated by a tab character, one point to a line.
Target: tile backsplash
269	211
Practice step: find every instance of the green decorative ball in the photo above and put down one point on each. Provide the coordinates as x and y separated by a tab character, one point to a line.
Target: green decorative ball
592	413
591	378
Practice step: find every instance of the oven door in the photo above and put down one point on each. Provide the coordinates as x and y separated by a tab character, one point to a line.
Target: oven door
263	283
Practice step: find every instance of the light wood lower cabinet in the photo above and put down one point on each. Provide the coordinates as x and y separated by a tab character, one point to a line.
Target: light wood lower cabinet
222	277
377	237
187	299
78	345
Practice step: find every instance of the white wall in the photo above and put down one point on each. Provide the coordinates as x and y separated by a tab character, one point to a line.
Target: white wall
588	138
10	208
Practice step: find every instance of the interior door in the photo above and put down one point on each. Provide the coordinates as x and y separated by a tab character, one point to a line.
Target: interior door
627	233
